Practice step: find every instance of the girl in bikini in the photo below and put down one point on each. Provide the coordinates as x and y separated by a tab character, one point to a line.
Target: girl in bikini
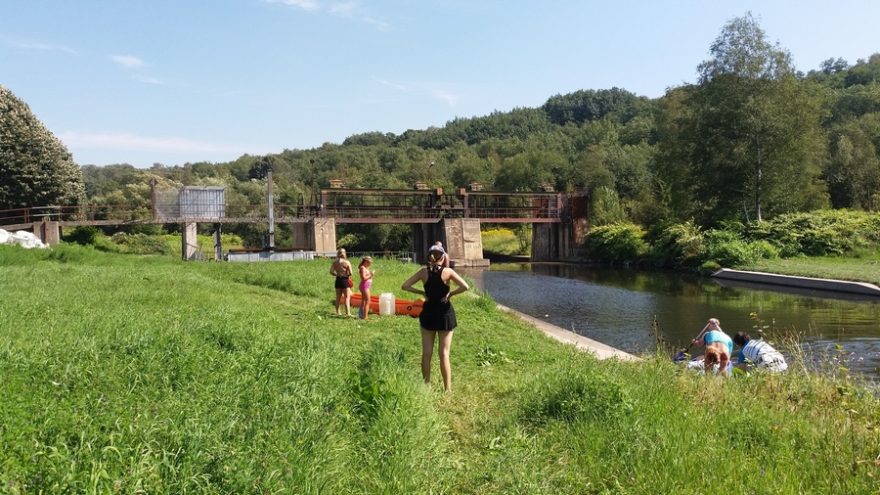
366	283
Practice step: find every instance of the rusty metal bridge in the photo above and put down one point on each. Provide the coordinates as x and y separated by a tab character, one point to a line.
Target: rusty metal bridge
454	218
346	206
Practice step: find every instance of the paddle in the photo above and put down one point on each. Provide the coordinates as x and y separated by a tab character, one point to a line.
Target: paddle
683	354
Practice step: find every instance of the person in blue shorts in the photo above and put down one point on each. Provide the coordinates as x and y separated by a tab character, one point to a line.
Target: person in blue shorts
759	354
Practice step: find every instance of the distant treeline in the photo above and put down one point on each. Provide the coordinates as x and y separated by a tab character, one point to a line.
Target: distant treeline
751	139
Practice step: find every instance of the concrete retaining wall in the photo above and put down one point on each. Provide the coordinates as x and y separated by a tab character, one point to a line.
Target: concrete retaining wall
272	256
599	349
802	282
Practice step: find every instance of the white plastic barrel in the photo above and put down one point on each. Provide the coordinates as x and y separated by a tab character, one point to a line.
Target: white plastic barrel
386	303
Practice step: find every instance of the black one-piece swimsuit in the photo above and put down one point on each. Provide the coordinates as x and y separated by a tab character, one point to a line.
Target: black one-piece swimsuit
437	315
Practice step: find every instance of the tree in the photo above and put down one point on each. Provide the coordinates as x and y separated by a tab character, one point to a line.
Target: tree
751	133
35	167
853	168
584	106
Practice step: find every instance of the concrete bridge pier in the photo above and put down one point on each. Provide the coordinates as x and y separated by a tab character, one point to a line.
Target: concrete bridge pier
189	243
318	234
545	242
557	241
461	239
218	242
49	231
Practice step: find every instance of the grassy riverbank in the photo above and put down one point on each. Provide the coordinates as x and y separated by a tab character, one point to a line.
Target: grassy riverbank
863	269
124	373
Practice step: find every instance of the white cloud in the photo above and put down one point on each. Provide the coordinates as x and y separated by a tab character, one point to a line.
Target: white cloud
378	23
350	9
128	61
49	47
133	142
148	80
393	85
443	95
345	9
307	5
433	90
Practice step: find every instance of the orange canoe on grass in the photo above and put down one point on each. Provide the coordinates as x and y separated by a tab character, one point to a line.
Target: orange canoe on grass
401	306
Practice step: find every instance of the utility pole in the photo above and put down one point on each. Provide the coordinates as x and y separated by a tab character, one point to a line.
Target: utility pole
271	243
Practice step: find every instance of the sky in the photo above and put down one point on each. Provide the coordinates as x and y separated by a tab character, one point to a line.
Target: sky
176	81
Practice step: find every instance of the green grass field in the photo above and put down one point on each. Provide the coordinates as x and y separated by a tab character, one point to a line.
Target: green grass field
142	374
863	269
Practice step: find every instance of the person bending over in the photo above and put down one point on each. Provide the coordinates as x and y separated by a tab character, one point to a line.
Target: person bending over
719	347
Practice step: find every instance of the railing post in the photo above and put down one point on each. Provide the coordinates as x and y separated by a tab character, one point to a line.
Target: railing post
271	242
464	201
154	199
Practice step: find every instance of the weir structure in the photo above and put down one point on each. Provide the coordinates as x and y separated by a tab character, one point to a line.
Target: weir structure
559	220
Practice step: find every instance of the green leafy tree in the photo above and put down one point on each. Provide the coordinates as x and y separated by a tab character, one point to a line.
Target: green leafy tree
35	167
584	106
853	167
527	171
750	139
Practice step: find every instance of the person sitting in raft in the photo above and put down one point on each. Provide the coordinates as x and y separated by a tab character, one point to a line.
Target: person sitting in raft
759	354
719	347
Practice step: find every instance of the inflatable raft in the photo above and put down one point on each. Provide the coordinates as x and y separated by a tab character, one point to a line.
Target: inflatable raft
696	363
401	306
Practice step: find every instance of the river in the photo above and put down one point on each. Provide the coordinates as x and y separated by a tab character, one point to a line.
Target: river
617	307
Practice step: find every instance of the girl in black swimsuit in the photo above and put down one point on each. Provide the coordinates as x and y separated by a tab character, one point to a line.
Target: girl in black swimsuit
438	315
341	269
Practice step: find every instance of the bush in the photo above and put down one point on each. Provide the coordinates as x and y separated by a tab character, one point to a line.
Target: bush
140	243
607	208
84	236
727	249
500	241
679	244
763	249
616	242
819	233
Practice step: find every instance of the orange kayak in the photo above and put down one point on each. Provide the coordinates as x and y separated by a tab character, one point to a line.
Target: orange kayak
401	306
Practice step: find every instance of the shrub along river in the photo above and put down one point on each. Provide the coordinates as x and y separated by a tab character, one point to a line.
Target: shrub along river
617	307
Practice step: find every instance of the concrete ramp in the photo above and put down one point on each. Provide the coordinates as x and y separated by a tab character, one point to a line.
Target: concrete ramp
826	284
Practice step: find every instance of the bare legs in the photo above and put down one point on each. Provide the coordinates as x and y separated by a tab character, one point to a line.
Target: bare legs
343	295
365	303
442	352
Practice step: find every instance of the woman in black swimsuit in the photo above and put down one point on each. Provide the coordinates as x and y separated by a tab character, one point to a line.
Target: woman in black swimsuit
341	269
438	315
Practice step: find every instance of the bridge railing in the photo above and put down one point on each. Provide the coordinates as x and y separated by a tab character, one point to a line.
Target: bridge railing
364	211
127	213
513	212
441	211
15	216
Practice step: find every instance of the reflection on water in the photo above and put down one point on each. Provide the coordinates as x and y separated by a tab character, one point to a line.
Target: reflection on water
617	306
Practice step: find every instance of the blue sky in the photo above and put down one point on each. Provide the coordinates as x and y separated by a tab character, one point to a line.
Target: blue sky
175	81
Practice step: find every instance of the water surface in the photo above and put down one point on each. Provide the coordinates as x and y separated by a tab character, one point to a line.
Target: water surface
617	307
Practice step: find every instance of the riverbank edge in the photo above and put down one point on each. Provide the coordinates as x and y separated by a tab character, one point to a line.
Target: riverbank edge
828	284
600	350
